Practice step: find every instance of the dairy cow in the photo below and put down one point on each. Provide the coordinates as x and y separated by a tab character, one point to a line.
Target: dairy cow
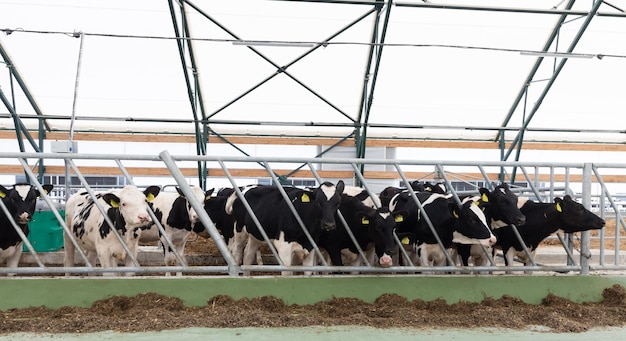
371	227
20	201
543	219
174	212
453	223
316	209
127	208
500	208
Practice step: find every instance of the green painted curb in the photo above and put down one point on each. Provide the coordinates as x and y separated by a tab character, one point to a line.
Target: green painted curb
195	291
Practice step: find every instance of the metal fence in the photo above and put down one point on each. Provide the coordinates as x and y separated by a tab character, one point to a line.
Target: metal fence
543	182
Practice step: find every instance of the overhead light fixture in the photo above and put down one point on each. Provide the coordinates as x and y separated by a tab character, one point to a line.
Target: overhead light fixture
273	43
558	54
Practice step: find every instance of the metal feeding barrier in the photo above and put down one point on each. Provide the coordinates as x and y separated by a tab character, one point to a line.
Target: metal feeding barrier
541	182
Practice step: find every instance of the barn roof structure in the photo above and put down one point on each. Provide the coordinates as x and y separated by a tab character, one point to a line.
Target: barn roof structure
498	72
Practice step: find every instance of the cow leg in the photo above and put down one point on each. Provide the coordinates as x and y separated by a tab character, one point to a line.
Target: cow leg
509	258
14	260
309	260
68	259
107	261
285	253
237	245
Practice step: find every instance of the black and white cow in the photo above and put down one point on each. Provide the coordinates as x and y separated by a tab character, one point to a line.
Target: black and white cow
316	209
372	228
543	219
453	223
177	217
500	208
20	201
127	208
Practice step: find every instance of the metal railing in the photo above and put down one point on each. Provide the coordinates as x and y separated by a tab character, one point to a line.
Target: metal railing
545	181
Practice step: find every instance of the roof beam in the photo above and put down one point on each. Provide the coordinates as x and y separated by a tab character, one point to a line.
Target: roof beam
518	138
430	5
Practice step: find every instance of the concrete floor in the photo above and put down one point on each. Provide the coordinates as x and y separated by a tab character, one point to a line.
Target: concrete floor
329	333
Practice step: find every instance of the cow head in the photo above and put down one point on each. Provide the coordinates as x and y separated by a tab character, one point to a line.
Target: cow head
200	196
470	224
500	206
21	200
380	225
327	198
574	217
131	203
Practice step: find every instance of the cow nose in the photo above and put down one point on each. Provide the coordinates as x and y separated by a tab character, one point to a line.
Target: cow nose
492	240
328	226
144	218
23	218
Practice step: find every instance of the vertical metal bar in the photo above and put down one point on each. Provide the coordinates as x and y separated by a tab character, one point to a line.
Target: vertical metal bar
585	253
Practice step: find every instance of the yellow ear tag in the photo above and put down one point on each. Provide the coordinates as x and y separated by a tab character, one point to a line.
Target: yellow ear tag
207	197
114	204
405	241
477	203
365	221
484	198
558	207
398	219
150	197
305	198
456	215
3	195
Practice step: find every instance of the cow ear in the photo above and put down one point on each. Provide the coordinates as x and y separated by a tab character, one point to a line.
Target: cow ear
454	210
47	188
151	192
340	186
207	194
305	197
363	218
112	200
558	202
484	194
180	192
399	216
3	191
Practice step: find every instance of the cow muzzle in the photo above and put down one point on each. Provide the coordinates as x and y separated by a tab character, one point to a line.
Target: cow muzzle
23	218
328	226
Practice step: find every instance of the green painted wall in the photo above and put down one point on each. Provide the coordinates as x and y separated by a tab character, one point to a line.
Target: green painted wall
194	291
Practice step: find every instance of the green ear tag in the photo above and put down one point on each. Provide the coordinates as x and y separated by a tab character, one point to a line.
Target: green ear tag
305	198
365	221
558	207
484	198
405	241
